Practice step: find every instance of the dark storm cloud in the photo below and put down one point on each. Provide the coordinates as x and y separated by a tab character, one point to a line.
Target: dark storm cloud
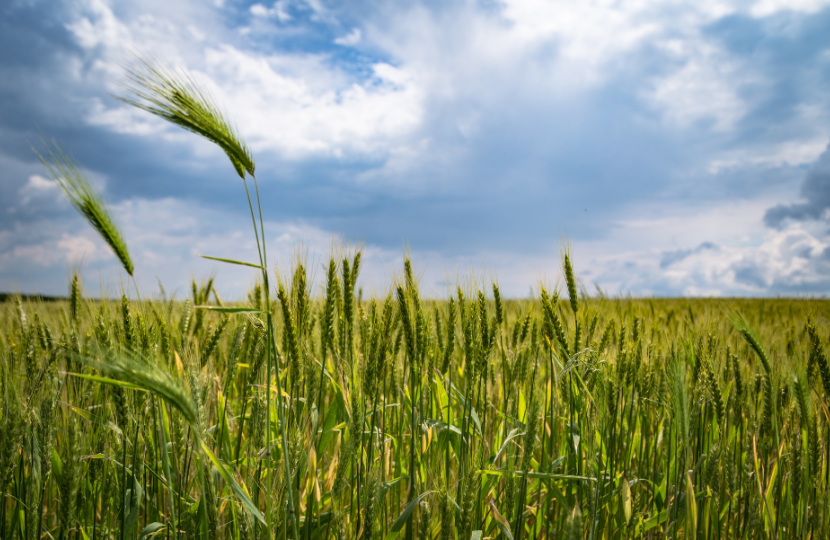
816	194
790	47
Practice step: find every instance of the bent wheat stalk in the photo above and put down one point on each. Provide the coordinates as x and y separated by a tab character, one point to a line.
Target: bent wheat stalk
176	97
85	198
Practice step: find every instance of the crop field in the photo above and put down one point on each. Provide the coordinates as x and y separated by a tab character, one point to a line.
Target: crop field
544	418
307	411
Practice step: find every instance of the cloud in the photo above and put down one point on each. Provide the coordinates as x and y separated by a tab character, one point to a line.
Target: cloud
706	88
654	135
37	188
768	7
49	246
792	260
39	183
318	112
740	256
350	39
669	258
99	27
76	248
279	10
803	151
166	238
298	105
816	191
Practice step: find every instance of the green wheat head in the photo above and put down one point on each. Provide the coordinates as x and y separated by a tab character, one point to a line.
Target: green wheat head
76	187
751	338
135	372
173	95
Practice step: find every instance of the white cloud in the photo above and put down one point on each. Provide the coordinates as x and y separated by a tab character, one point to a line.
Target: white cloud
297	105
314	111
593	37
166	238
51	248
595	30
174	31
39	183
128	120
259	10
719	250
350	39
656	254
99	26
37	188
765	8
76	248
279	10
793	153
589	31
705	88
38	254
789	260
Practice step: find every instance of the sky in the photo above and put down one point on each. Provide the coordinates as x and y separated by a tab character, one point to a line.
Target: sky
675	148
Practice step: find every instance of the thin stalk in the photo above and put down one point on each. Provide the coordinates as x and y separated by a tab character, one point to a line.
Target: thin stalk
166	464
281	414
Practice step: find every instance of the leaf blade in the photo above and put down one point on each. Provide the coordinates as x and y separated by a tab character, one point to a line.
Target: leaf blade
233	261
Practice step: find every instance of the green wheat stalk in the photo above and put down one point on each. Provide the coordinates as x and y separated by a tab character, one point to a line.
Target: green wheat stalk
176	97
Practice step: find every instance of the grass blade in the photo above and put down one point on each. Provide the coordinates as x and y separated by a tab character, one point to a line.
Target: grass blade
237	489
232	261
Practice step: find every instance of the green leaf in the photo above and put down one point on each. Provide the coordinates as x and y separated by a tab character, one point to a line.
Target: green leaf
691	507
401	521
237	489
57	463
152	528
515	432
626	499
385	486
460	398
544	476
106	380
476	535
652	522
442	425
501	521
231	261
133	499
223	309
